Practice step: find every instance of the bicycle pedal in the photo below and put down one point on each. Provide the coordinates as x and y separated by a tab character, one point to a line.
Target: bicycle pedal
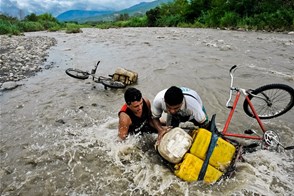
248	131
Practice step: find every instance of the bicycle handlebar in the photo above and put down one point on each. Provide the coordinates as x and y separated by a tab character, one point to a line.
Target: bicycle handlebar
93	71
232	70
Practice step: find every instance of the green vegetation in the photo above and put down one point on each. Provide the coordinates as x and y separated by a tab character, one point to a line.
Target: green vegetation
32	22
269	15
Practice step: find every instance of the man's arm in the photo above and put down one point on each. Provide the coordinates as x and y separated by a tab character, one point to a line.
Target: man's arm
198	111
160	129
157	111
123	126
157	125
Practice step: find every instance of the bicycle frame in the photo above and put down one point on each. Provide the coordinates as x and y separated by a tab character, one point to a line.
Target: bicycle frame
225	129
233	108
97	79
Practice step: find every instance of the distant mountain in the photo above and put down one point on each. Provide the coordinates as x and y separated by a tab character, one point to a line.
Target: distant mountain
77	15
108	15
143	7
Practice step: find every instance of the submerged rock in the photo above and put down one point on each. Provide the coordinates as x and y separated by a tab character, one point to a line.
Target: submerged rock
9	85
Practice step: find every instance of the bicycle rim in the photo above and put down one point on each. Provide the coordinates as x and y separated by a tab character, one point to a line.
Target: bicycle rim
280	100
76	73
113	84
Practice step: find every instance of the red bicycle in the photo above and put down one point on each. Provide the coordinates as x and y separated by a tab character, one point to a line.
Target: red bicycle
266	102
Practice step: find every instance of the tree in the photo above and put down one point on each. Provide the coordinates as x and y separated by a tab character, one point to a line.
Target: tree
122	17
152	16
32	17
47	17
196	8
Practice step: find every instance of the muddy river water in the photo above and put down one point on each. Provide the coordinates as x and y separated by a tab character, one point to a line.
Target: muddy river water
59	134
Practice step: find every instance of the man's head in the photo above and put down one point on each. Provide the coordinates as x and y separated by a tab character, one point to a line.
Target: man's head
131	95
133	98
173	98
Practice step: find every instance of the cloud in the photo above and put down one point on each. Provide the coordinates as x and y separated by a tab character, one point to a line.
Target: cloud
56	7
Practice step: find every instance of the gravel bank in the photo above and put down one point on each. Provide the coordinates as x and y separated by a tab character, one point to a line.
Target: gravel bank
21	57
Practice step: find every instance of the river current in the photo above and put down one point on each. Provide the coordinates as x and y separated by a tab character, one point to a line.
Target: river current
59	134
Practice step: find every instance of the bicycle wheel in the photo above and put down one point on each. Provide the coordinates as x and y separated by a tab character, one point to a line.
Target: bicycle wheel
76	73
112	84
272	100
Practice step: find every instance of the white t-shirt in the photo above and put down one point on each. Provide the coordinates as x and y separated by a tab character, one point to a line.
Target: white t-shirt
192	105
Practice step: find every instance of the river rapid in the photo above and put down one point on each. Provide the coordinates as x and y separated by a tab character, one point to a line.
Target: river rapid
59	134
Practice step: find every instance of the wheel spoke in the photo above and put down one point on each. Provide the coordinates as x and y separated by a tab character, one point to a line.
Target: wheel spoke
281	99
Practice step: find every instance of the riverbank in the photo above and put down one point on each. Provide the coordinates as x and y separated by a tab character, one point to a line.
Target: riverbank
21	56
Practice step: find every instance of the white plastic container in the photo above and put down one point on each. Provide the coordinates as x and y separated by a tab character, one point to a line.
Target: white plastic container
174	145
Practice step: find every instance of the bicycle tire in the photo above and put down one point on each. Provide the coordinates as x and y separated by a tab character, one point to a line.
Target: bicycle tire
281	97
78	74
112	84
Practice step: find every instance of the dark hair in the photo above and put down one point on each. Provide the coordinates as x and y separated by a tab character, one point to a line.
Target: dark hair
173	96
131	95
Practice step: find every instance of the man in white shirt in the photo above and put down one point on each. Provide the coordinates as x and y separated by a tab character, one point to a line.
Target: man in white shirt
181	105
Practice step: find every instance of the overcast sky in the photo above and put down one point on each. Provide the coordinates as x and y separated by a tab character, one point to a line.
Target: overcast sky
59	6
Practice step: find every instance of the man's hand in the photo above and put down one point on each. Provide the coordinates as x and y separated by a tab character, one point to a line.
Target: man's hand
164	130
187	125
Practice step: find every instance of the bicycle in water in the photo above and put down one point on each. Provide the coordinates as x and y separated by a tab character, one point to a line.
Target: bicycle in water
266	102
115	81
